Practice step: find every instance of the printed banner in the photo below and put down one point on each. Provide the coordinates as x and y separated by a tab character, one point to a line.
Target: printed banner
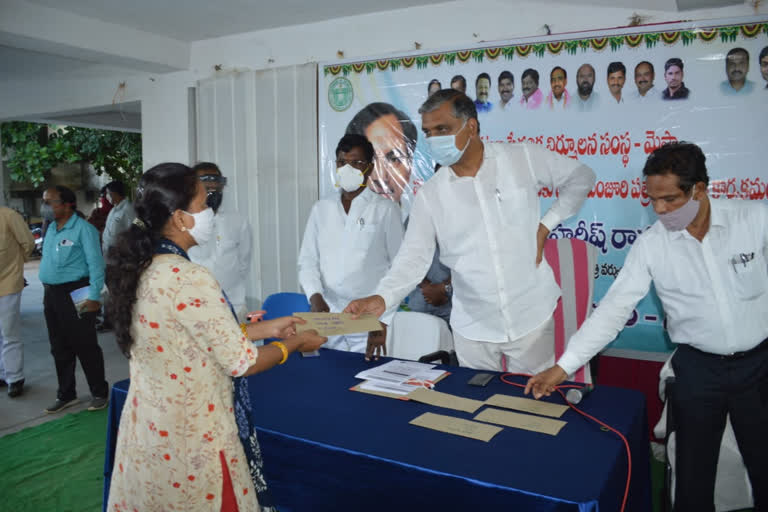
606	98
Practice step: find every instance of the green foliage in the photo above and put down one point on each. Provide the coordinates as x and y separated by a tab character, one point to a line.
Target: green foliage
30	150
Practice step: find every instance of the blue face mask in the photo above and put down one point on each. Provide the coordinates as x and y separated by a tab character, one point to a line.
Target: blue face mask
46	212
444	150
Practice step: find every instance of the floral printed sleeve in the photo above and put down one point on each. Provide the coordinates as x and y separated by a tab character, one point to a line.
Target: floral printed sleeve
204	313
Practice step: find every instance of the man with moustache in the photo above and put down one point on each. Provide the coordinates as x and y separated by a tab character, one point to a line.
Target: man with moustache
506	90
586	98
532	95
763	59
673	75
558	98
736	69
617	76
644	76
482	89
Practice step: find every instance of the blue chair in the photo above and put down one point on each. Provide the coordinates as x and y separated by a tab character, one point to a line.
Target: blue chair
284	304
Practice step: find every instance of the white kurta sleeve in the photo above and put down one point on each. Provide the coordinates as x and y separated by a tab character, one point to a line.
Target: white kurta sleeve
245	248
393	238
414	257
612	313
574	179
310	276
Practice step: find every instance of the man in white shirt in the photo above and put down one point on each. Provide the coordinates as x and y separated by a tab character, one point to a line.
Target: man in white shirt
644	76
118	220
228	252
120	216
483	211
706	258
350	241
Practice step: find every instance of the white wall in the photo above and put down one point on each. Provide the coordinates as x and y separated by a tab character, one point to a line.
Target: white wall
167	122
449	25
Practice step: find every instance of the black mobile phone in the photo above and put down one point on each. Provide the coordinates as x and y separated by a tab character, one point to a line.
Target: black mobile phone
481	379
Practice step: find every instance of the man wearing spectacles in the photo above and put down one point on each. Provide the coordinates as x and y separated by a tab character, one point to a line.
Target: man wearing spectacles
228	252
350	240
72	260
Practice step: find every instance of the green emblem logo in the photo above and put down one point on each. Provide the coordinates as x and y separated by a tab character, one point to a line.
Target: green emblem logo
340	94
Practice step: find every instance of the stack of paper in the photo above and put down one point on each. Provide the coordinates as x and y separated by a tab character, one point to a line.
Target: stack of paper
400	377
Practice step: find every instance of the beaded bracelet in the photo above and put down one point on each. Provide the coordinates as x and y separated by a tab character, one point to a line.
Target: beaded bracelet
245	330
283	349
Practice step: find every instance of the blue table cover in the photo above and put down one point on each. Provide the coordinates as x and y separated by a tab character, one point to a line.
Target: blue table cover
328	448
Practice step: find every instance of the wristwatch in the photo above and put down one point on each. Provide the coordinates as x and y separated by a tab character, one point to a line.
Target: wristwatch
448	290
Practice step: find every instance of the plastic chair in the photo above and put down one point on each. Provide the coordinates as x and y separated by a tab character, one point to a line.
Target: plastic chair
411	335
573	262
733	490
284	304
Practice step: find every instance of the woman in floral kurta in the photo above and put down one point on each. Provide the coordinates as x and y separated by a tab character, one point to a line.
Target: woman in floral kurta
177	444
178	416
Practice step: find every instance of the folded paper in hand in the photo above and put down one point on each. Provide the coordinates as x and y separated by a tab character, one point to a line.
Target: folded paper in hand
334	324
79	298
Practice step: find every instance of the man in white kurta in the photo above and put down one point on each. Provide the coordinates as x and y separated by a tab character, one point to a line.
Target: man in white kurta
351	239
483	211
120	216
228	253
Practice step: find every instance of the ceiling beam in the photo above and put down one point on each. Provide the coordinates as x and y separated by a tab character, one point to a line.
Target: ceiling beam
57	32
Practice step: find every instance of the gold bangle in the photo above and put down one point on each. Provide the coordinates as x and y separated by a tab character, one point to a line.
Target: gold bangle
245	330
283	349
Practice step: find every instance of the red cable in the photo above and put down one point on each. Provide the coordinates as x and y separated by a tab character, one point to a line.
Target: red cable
567	386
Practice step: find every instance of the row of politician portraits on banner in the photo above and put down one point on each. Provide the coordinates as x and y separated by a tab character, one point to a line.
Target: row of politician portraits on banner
584	97
511	99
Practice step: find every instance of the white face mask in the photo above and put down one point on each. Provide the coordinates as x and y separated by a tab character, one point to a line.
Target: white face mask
349	178
203	228
443	148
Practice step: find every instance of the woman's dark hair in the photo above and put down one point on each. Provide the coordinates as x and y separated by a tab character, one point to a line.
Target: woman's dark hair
162	190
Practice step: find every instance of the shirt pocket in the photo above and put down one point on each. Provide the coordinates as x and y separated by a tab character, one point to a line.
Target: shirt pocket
750	279
513	207
66	254
362	237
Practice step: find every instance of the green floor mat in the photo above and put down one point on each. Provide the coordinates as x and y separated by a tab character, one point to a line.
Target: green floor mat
57	466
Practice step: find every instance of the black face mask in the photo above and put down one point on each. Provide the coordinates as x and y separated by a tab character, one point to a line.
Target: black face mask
214	199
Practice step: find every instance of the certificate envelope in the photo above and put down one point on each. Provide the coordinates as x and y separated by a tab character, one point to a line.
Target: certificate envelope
334	324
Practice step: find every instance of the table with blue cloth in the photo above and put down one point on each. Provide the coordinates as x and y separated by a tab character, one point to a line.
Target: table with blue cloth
328	448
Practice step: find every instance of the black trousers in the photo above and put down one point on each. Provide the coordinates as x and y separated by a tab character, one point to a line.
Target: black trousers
72	338
707	389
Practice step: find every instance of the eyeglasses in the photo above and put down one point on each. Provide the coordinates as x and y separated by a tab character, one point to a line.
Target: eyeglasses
360	165
213	179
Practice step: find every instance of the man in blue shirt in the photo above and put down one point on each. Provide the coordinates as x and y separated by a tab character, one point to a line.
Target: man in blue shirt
482	88
72	260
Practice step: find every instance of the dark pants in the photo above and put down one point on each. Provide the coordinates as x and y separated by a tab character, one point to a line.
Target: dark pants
73	337
707	389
